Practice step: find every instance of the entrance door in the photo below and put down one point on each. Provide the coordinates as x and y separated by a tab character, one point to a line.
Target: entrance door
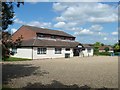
76	52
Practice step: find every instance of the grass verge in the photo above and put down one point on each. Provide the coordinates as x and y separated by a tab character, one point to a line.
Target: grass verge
16	59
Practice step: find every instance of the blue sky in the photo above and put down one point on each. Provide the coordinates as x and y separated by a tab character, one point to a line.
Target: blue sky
88	21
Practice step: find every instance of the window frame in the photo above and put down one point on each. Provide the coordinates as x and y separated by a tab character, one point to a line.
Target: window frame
66	49
58	50
63	38
14	50
53	37
40	35
89	50
41	50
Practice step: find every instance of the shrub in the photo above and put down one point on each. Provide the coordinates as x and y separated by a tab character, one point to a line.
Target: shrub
105	53
116	53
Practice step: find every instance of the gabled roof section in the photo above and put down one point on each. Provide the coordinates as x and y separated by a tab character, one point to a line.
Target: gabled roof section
87	46
47	31
103	47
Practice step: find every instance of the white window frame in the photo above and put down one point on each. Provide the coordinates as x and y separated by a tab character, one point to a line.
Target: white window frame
41	50
89	50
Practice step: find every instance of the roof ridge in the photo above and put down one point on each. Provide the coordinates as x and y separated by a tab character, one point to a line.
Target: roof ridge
67	34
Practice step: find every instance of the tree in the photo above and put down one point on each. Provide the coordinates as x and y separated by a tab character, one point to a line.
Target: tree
6	18
116	47
106	49
102	44
96	48
8	13
97	44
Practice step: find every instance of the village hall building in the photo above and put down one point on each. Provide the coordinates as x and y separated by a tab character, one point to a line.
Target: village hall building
42	43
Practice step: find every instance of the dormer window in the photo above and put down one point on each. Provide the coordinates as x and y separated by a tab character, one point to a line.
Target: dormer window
63	38
53	37
40	35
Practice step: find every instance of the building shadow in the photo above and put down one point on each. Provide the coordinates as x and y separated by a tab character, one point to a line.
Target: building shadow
58	85
11	71
55	84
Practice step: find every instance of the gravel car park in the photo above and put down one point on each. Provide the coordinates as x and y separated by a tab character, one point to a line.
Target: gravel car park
94	72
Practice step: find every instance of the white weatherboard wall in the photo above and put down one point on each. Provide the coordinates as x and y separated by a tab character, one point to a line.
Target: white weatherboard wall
86	53
23	53
51	53
32	53
104	51
71	52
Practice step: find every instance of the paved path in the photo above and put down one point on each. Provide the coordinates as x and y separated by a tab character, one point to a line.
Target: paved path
95	72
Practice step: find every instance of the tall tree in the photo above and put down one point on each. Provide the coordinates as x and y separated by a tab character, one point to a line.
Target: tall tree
8	13
6	19
96	47
117	47
97	44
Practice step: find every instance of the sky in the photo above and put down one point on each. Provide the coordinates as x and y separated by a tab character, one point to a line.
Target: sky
89	22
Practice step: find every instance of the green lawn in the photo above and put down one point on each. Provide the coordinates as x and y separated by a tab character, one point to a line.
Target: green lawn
16	59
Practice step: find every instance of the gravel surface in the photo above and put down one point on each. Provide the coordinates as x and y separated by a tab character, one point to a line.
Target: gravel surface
95	72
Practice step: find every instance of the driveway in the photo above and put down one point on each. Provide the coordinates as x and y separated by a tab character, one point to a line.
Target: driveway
90	72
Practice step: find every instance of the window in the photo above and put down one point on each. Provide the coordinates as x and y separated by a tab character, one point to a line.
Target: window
14	50
53	37
63	38
40	35
41	50
89	50
58	50
67	49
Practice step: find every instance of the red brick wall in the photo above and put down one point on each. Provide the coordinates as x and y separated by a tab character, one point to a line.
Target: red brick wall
29	34
26	34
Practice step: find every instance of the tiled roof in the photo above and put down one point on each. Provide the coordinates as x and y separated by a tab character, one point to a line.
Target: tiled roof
49	43
103	47
87	45
47	31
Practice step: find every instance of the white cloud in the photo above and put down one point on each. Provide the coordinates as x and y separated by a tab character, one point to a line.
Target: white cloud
58	6
86	0
88	32
13	30
114	33
60	25
102	34
60	19
14	17
105	38
65	26
86	12
106	19
36	1
83	32
34	23
71	1
96	27
40	24
74	16
17	20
